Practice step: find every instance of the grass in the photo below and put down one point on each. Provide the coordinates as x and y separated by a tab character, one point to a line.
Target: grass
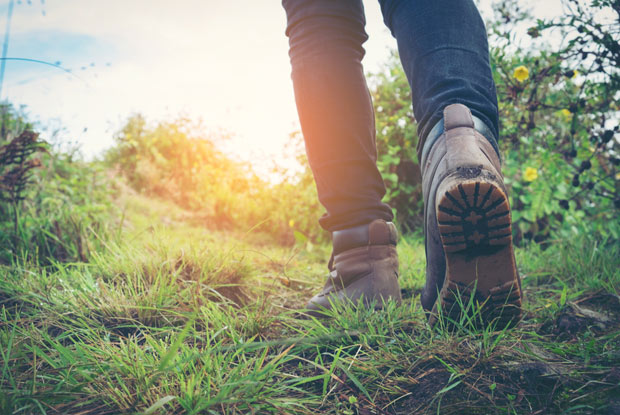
174	318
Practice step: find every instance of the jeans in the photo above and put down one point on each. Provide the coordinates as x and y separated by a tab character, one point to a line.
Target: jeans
444	52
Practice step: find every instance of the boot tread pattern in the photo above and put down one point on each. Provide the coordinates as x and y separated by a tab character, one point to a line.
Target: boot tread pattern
472	215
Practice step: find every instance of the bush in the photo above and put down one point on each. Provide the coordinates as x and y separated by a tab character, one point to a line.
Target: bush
53	206
559	118
178	162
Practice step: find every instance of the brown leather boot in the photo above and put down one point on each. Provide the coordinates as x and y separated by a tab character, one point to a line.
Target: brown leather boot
467	223
364	265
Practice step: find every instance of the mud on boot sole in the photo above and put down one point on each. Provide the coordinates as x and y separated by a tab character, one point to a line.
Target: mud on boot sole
473	216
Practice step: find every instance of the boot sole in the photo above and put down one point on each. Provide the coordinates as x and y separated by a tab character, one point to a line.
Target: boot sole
473	215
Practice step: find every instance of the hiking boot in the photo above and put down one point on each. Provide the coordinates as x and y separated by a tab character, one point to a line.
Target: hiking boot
364	265
467	222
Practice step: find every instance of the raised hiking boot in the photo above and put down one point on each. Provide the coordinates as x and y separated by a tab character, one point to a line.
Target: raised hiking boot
364	265
468	231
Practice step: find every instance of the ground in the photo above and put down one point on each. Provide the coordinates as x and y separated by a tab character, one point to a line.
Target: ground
173	317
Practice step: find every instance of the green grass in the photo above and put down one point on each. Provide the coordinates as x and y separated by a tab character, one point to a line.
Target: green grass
174	318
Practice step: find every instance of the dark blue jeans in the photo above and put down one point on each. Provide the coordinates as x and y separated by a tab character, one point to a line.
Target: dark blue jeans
444	52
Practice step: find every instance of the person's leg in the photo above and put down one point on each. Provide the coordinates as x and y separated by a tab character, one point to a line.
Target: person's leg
335	110
444	50
337	121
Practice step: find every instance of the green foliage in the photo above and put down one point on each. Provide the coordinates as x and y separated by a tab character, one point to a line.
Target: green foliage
173	162
13	120
177	161
16	165
561	119
396	143
53	207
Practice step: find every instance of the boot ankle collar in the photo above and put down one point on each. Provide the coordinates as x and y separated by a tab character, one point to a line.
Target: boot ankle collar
438	129
378	232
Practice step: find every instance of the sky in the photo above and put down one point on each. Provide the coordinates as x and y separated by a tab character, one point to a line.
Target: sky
223	62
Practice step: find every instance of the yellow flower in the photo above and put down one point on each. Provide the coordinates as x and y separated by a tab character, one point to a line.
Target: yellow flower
521	73
291	223
530	174
566	114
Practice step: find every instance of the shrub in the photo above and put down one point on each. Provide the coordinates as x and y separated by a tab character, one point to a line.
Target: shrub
53	206
177	161
559	118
